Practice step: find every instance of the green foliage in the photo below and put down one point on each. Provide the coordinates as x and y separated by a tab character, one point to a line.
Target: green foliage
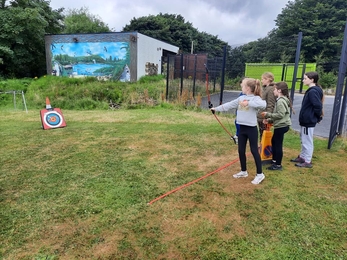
236	63
8	98
322	36
234	83
173	29
85	93
151	79
328	80
82	21
23	26
15	84
322	29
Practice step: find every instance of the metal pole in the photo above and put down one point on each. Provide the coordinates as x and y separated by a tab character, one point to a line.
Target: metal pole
283	71
14	99
25	104
167	77
343	110
223	75
182	68
302	76
336	127
343	74
194	74
297	58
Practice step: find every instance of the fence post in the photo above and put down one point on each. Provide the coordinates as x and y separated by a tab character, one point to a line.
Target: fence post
223	75
167	77
194	77
302	77
297	57
182	68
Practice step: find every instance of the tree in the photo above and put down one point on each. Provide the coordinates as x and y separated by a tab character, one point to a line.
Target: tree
81	21
236	63
173	29
321	22
23	26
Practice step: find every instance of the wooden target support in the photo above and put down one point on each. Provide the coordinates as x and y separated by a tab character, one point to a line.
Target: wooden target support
266	146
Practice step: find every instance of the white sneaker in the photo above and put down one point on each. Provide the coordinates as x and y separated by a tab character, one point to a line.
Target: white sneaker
241	174
258	178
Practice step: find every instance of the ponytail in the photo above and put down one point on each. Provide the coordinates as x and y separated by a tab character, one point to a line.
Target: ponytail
257	90
254	85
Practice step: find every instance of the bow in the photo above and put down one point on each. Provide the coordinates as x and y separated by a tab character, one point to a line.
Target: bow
210	105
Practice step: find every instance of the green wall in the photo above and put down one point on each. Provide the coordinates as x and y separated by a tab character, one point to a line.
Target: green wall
281	71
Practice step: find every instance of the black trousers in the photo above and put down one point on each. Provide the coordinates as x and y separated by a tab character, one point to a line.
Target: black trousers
249	133
277	144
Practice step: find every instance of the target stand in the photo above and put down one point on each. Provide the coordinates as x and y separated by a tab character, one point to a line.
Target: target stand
266	146
51	117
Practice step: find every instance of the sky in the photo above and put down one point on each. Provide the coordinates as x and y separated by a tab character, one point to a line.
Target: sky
233	21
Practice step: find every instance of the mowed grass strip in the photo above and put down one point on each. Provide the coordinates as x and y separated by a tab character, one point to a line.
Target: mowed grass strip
82	192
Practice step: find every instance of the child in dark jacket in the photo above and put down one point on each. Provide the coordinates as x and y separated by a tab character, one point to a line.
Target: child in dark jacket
311	113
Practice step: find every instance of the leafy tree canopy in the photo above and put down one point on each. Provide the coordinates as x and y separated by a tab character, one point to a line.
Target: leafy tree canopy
82	21
173	29
321	22
23	26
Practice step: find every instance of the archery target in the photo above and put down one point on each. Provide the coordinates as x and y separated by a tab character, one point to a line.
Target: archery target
52	118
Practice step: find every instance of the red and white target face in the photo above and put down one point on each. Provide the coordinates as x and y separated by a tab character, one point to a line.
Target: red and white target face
52	118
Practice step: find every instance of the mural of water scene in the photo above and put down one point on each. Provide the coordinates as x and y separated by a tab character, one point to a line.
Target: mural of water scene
105	60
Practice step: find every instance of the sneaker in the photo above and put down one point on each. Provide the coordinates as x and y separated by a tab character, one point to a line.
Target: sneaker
241	174
275	167
304	165
298	160
258	178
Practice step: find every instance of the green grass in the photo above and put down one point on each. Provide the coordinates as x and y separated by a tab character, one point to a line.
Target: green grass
82	192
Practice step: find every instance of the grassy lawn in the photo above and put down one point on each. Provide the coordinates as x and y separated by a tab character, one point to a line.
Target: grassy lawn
82	192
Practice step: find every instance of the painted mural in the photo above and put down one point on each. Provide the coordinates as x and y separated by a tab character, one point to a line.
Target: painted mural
105	60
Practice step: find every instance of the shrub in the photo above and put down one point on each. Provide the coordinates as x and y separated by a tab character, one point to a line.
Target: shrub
328	80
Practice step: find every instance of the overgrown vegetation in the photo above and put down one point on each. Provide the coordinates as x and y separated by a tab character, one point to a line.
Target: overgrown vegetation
86	93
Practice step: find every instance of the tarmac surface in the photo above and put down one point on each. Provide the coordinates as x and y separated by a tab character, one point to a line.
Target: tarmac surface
322	129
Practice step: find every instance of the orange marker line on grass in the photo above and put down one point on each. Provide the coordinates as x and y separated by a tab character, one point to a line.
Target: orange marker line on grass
194	181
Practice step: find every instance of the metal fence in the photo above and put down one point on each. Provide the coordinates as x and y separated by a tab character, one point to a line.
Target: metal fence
188	75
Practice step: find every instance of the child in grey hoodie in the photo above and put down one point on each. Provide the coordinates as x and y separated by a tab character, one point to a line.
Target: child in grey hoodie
247	107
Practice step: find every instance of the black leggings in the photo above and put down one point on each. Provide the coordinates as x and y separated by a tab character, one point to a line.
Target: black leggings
277	144
249	133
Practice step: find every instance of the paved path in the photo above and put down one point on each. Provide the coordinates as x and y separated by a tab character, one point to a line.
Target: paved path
322	129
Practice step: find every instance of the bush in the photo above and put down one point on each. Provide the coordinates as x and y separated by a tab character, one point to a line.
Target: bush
328	80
